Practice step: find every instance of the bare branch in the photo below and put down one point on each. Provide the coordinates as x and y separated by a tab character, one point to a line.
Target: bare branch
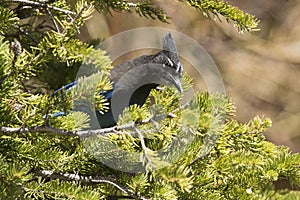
82	134
53	19
67	12
86	179
143	144
104	131
131	4
38	129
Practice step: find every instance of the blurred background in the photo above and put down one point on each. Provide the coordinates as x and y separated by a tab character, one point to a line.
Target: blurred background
261	70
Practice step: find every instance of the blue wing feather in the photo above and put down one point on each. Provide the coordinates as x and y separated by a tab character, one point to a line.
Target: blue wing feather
107	95
66	87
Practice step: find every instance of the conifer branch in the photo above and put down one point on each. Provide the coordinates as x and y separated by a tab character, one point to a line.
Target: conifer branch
232	160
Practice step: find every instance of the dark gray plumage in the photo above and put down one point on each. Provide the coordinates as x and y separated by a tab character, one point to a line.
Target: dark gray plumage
134	79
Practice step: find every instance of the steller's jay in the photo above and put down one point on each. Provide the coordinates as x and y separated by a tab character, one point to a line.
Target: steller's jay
134	79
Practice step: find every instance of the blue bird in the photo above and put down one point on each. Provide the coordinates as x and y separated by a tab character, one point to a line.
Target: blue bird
134	79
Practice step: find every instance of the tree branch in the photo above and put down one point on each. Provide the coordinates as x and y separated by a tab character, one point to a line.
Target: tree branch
53	20
67	12
38	129
86	179
143	144
82	134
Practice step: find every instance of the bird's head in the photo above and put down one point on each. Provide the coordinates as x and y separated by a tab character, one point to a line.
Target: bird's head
170	66
169	49
162	68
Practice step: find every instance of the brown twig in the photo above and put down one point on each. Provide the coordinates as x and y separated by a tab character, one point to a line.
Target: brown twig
86	179
82	134
143	144
68	12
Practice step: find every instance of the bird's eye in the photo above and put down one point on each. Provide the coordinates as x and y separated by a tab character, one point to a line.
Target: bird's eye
169	62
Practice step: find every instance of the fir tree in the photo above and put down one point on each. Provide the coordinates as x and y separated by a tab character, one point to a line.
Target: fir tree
47	157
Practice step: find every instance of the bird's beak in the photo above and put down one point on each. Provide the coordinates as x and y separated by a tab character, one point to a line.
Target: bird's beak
177	84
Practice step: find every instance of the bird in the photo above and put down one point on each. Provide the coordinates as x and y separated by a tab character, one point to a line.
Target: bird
134	79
